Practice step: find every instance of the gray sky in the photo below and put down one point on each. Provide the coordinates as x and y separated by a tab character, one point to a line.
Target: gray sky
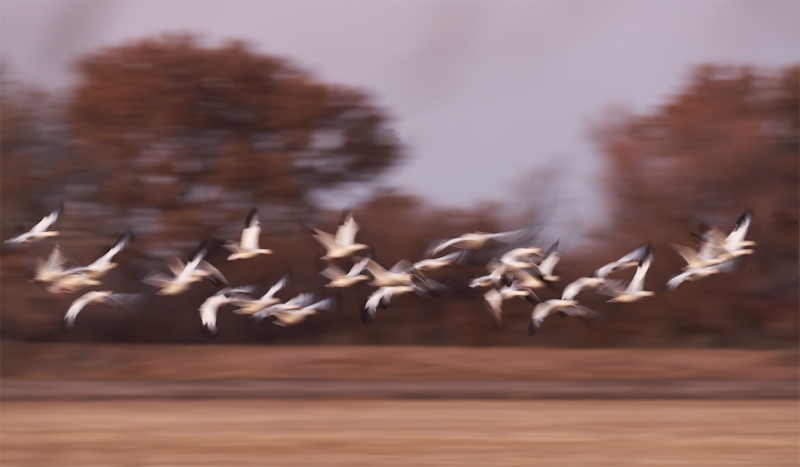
485	94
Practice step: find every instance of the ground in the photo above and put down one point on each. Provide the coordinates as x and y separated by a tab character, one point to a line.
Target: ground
101	405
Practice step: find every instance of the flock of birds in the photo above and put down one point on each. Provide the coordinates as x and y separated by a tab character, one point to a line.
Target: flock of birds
517	273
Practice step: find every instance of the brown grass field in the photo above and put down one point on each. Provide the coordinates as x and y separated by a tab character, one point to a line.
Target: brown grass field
216	405
418	433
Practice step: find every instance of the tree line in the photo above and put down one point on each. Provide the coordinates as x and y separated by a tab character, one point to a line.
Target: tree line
179	140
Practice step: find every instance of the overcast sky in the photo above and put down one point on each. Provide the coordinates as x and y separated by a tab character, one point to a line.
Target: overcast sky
485	94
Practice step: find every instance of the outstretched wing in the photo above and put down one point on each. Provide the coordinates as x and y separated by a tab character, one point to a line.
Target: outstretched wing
252	229
48	220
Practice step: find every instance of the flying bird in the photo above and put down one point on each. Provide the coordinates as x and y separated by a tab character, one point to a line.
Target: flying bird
183	275
381	299
285	317
402	273
103	264
430	264
298	302
51	269
340	279
343	243
573	288
248	246
251	307
122	300
635	289
692	274
564	307
209	308
39	231
495	298
476	240
631	259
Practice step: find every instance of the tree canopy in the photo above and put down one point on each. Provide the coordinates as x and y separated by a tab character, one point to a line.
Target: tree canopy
170	109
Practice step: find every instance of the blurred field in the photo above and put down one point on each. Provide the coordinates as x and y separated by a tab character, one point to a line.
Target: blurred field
91	371
121	404
368	433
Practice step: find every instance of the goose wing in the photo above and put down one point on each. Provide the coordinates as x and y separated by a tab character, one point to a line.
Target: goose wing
252	229
628	260
736	237
573	288
637	283
550	260
47	220
346	233
80	303
281	283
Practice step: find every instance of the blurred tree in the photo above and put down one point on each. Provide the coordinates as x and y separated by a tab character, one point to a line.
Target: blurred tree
176	122
32	143
727	142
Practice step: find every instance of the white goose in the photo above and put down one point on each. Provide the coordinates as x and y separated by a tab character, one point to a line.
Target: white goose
476	240
343	243
381	298
717	248
519	258
103	264
692	274
248	246
548	264
564	307
495	298
402	273
70	282
295	303
635	289
291	317
497	275
631	259
38	231
430	264
251	307
184	275
51	269
122	300
340	279
573	288
209	308
539	275
734	242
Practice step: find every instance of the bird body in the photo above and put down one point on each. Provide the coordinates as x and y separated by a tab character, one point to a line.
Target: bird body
631	259
691	275
635	289
103	264
122	300
251	307
288	317
185	274
476	240
495	298
39	231
343	243
567	307
340	279
210	307
248	247
573	288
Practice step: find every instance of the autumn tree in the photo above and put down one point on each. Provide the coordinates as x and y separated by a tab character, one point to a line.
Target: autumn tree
728	141
172	121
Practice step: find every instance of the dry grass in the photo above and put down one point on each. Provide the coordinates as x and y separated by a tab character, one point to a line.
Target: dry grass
419	433
362	363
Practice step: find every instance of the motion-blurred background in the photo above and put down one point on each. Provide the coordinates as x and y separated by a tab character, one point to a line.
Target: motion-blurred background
604	124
